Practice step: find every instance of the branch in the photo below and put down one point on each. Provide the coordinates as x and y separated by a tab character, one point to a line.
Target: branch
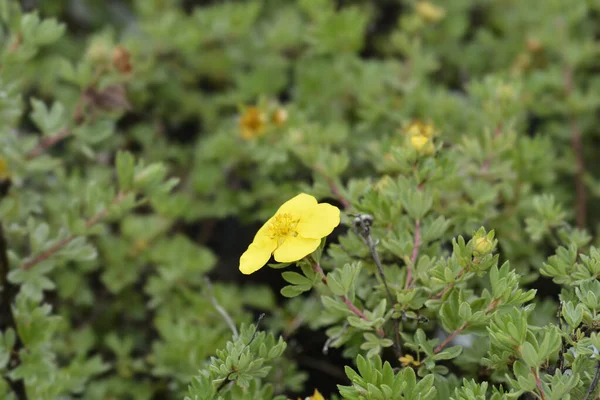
464	326
345	298
450	285
415	254
488	161
362	225
44	255
7	320
334	189
48	142
594	384
576	144
538	383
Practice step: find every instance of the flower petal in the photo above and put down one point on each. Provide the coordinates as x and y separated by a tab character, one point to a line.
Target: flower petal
298	205
257	255
319	222
295	248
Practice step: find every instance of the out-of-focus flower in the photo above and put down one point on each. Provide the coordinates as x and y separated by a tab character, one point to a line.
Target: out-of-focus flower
430	12
292	233
252	123
408	361
316	396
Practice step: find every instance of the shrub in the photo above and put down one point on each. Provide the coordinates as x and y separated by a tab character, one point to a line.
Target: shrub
145	143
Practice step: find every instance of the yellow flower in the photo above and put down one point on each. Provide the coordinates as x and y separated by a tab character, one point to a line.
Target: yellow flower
409	360
280	116
422	145
417	128
316	396
252	123
3	169
292	233
429	12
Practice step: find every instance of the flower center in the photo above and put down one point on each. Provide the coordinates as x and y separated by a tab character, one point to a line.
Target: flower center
282	226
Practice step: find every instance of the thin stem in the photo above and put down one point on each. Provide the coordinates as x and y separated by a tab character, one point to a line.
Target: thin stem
48	142
450	285
344	298
220	309
450	338
335	190
576	144
7	319
44	255
415	254
363	226
538	383
488	161
464	326
594	384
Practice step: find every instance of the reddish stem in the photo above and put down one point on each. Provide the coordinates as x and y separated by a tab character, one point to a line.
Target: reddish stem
576	144
414	255
345	299
47	143
450	338
538	383
44	255
488	161
464	326
451	285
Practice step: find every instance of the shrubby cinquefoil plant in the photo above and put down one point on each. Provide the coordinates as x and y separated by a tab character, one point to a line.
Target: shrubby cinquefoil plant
422	172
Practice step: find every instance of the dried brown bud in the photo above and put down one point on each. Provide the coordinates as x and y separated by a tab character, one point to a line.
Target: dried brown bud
121	59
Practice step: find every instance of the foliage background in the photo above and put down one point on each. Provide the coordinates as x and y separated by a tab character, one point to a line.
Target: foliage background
107	255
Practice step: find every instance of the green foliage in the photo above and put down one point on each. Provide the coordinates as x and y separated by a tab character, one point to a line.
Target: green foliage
141	141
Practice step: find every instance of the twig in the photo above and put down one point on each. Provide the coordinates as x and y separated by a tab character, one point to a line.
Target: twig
44	255
7	319
450	285
334	189
538	383
345	298
415	254
362	225
220	309
488	161
576	144
464	326
594	384
48	142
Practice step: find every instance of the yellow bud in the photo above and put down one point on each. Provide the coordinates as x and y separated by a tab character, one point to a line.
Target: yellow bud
482	246
422	145
416	128
430	12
